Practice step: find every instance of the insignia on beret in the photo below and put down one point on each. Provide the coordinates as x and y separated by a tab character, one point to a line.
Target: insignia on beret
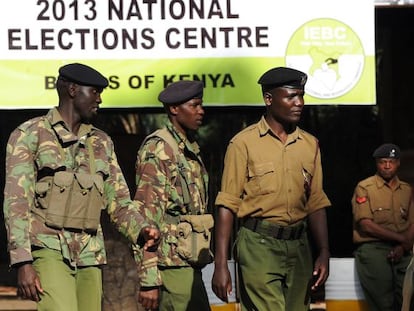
283	77
387	151
83	75
181	91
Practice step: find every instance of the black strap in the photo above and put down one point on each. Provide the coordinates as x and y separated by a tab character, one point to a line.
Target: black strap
273	230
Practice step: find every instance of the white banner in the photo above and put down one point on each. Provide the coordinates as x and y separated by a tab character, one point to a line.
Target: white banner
143	45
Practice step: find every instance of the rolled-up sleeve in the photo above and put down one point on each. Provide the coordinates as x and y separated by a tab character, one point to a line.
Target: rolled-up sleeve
318	198
234	177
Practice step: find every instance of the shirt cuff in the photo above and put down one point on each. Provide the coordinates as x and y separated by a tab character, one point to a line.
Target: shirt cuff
20	255
228	200
149	275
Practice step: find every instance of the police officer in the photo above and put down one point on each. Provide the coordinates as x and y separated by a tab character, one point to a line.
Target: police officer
383	231
61	171
172	183
272	182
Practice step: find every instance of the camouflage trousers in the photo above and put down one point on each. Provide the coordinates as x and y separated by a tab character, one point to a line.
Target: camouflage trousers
66	288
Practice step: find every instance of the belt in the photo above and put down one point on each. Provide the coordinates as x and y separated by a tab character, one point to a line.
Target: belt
275	231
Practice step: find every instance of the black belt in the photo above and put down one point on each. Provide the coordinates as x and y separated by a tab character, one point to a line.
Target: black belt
275	231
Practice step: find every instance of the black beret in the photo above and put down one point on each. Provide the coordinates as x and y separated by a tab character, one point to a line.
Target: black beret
283	77
181	91
82	75
387	151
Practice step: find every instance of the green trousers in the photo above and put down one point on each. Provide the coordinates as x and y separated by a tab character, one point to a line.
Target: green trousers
66	288
183	290
381	280
274	274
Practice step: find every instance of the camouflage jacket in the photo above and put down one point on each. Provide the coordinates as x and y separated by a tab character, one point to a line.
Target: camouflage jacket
44	144
160	190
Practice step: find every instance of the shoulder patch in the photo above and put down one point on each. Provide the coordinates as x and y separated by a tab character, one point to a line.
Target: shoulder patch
361	200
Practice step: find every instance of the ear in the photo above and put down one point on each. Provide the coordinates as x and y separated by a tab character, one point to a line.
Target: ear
72	89
267	97
173	109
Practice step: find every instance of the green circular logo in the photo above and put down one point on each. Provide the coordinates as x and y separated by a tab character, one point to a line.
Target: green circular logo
330	53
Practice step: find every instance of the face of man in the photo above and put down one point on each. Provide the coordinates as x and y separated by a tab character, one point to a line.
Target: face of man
285	104
86	102
189	115
387	167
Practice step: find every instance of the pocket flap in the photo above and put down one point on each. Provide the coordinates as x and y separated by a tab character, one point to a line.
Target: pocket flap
183	230
261	169
63	179
200	223
99	183
86	181
42	187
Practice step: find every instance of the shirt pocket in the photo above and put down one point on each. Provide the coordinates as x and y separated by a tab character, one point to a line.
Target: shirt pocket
48	157
308	170
262	179
382	215
404	207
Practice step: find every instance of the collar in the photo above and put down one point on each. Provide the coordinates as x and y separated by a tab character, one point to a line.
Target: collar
264	129
62	131
380	182
182	140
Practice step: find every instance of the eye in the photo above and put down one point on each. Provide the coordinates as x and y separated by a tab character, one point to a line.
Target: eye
96	91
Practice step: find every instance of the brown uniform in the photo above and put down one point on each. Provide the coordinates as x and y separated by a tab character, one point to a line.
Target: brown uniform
265	178
373	199
392	209
273	186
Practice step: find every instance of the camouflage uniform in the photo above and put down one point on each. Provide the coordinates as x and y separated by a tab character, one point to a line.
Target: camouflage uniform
159	188
41	146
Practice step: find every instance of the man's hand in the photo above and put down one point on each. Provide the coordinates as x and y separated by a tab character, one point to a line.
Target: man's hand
407	243
151	236
221	282
148	298
28	282
396	253
321	269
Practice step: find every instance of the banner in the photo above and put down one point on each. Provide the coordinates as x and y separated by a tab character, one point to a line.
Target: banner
142	45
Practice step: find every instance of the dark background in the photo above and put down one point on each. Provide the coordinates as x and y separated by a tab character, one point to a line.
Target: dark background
347	134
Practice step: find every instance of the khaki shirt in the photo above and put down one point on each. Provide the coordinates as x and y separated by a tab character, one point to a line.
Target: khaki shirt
264	177
389	208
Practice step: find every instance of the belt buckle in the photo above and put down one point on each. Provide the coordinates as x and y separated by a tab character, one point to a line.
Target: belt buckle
279	235
287	233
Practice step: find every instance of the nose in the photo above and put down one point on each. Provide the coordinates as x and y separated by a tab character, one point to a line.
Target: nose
201	110
98	98
300	102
